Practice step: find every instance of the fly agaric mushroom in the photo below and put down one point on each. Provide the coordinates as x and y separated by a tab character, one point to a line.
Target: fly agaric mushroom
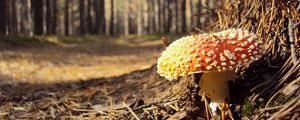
216	55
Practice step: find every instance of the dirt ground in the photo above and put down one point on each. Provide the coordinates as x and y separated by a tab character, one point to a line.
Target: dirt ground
110	78
79	79
84	60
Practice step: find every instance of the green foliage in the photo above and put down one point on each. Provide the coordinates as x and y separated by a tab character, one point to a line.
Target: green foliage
24	40
74	39
248	108
251	107
43	40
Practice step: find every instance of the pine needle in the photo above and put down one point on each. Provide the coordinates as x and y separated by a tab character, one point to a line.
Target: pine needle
135	116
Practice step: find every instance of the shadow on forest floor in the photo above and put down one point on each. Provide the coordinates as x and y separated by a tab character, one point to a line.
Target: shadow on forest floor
94	94
40	80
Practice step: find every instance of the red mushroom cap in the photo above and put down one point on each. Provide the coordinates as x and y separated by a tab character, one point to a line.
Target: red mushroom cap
220	51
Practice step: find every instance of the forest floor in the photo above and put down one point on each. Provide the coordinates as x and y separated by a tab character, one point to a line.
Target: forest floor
84	58
100	77
54	77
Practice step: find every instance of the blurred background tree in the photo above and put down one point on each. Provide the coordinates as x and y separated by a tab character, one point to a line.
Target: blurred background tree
109	17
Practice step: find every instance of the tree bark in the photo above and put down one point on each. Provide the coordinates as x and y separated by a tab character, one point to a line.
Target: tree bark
167	16
54	17
156	15
160	16
82	17
48	17
9	17
192	24
3	15
67	17
199	12
90	26
151	18
97	8
139	17
205	11
183	16
177	17
72	17
117	18
126	17
145	16
27	19
111	22
15	26
38	16
102	17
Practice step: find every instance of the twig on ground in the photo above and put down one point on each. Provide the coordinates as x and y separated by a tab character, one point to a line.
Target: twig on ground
135	116
287	107
292	42
271	108
155	103
284	78
87	110
207	109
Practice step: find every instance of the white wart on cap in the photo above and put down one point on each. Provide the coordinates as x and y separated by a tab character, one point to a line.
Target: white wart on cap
220	51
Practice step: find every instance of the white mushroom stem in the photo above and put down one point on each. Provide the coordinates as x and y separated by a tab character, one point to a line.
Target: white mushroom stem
215	86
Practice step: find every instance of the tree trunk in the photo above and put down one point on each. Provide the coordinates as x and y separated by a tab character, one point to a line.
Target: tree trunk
177	16
173	16
48	17
183	16
90	26
97	8
102	17
192	24
54	17
3	16
163	15
199	11
126	17
38	16
151	18
82	17
27	20
9	17
67	17
111	22
117	18
156	15
139	17
15	17
205	11
167	16
160	16
73	18
145	16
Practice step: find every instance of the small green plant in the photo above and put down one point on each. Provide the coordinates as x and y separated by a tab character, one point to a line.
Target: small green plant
248	107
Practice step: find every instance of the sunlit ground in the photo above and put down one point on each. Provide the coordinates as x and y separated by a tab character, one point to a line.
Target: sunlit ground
77	58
